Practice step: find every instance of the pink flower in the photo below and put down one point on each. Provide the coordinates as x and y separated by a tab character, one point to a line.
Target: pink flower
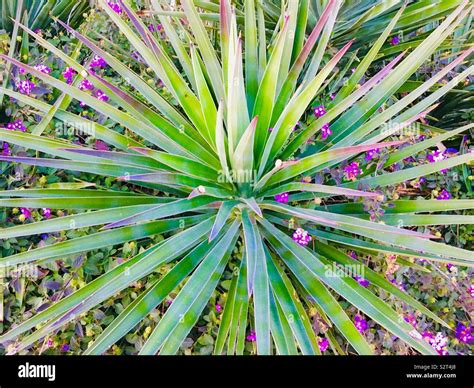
101	146
252	337
218	308
282	198
323	344
26	212
351	171
301	236
319	111
326	131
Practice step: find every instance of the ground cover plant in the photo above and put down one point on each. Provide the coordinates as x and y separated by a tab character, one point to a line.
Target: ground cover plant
269	188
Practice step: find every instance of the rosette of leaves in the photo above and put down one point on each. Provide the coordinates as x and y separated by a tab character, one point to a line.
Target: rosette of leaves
216	167
38	13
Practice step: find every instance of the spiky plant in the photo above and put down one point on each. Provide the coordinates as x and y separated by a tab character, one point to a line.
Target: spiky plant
38	13
217	168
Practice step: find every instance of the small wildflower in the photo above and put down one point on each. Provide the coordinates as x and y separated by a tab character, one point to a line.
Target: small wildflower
17	125
85	84
101	96
218	308
98	61
360	323
471	290
395	40
326	131
438	342
65	348
353	255
46	212
363	282
371	154
411	319
435	156
282	198
319	111
444	195
464	333
115	6
43	68
252	336
323	344
301	236
26	212
351	171
5	149
26	86
69	74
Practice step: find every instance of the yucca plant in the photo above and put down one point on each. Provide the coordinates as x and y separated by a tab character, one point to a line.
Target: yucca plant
222	166
38	13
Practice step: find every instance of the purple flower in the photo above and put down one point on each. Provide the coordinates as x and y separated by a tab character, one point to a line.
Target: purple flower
25	86
371	154
218	308
270	129
69	74
444	195
5	149
363	282
471	290
17	125
464	333
252	336
301	236
332	96
351	171
360	323
297	125
101	96
411	319
101	146
85	84
323	344
319	111
26	212
115	6
435	156
438	342
46	212
65	348
326	131
352	254
282	198
395	40
43	68
98	61
49	343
